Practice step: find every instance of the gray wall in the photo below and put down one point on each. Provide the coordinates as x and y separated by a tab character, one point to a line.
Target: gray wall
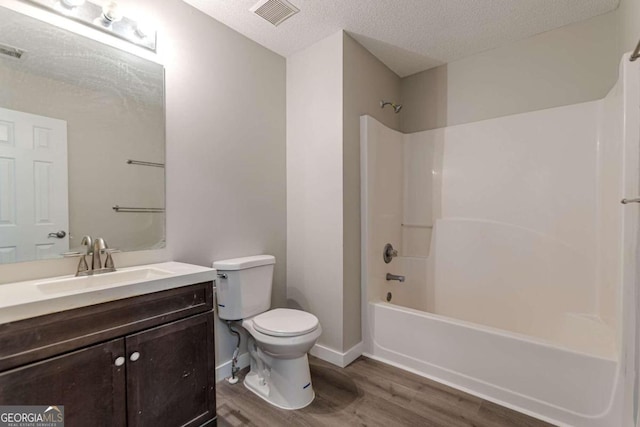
572	64
424	96
629	13
226	190
226	193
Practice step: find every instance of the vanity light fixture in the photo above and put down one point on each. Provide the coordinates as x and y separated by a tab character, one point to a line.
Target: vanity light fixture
143	30
110	13
108	18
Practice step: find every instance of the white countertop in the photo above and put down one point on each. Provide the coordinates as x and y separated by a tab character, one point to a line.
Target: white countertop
22	300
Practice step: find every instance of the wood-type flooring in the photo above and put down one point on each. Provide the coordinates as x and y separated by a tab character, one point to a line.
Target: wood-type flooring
368	393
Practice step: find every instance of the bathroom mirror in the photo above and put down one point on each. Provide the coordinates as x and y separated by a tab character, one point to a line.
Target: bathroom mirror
82	143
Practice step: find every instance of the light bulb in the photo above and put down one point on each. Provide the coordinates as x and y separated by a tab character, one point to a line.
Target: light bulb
143	29
111	12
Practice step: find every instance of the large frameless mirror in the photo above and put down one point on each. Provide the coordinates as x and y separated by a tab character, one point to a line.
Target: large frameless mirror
82	143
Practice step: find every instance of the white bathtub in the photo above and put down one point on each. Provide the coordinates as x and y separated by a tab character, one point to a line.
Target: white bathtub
556	384
520	261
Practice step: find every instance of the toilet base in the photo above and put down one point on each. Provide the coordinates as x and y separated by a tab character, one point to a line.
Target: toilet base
285	383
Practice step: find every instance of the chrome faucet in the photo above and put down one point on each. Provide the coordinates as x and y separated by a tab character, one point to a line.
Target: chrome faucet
394	277
98	246
94	248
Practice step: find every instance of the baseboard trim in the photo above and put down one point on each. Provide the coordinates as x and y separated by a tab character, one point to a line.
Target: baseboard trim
327	354
224	370
335	357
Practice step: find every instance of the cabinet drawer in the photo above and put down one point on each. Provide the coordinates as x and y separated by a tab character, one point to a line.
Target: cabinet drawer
29	340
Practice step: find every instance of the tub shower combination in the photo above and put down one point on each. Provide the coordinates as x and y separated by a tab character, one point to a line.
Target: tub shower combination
516	255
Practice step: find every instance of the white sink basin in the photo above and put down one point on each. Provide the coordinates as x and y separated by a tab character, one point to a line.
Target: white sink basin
116	278
22	300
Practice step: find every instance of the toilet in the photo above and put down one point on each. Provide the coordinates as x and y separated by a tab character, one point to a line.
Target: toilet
279	339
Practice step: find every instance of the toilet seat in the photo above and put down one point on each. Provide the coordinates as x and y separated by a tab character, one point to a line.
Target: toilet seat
283	322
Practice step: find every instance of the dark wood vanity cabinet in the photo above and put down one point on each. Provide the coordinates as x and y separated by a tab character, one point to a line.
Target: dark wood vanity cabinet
87	382
173	381
156	368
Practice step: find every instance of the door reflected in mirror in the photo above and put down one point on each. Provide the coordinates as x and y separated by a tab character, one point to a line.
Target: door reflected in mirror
82	131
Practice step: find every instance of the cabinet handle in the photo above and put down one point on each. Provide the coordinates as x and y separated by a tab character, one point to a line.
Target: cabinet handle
134	356
120	361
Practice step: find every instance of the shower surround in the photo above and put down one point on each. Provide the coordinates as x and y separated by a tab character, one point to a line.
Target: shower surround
517	253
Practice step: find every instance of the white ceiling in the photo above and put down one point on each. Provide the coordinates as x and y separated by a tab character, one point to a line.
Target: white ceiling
407	35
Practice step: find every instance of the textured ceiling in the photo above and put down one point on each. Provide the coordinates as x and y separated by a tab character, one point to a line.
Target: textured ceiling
407	35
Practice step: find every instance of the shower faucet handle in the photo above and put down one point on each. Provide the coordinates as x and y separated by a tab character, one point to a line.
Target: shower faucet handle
389	253
395	277
627	201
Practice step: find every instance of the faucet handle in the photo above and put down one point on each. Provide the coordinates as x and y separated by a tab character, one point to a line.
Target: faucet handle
72	254
83	267
389	253
109	261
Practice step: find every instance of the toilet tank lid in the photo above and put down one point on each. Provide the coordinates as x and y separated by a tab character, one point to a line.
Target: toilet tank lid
245	262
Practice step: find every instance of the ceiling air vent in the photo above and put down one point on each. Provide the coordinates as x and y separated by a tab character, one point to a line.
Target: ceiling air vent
274	11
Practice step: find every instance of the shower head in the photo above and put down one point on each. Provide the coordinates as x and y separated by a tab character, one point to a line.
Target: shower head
396	107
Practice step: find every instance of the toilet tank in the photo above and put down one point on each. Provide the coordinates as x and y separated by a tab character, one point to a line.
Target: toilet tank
243	286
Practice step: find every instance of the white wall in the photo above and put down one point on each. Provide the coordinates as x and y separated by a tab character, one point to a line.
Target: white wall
518	239
609	193
528	234
315	185
382	151
226	187
329	86
419	210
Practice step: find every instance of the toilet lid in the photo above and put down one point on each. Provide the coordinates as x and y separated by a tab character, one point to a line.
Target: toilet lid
284	322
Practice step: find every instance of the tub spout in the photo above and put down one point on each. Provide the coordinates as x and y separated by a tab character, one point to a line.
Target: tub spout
394	277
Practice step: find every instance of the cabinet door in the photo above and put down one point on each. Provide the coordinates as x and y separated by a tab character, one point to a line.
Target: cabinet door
87	382
171	374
